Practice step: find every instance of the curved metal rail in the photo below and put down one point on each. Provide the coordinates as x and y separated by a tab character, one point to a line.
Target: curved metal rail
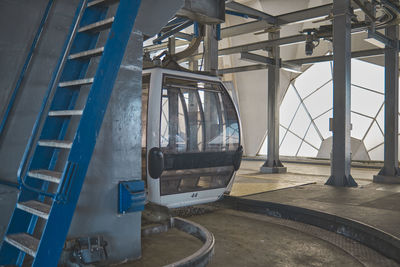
383	242
203	255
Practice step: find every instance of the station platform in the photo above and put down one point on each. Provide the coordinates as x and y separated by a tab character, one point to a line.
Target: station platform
289	219
293	219
303	186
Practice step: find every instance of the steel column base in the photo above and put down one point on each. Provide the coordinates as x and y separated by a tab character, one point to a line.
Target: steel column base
386	179
347	181
265	169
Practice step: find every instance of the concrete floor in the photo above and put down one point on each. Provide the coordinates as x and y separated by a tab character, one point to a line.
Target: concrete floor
246	239
374	204
250	181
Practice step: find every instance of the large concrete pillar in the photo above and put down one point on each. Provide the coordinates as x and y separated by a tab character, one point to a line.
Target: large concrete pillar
273	164
390	171
341	150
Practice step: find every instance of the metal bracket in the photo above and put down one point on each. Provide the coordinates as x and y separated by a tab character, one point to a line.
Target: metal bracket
250	12
270	62
382	39
131	196
257	58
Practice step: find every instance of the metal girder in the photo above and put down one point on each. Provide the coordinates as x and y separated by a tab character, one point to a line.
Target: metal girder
263	45
304	15
390	171
171	45
164	45
211	49
273	164
392	104
356	54
270	61
257	58
173	31
250	11
244	28
303	61
382	38
341	147
184	36
242	69
367	12
289	18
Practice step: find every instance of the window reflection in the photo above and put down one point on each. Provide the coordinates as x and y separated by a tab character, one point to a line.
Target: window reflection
197	116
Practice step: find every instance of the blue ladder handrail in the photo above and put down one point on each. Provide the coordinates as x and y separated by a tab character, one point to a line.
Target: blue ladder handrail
25	67
53	84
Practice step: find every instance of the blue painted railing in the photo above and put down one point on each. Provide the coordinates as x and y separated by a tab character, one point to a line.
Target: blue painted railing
28	59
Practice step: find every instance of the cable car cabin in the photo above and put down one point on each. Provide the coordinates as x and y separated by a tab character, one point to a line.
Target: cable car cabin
191	137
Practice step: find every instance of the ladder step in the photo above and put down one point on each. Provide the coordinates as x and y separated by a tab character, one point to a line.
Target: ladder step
50	176
24	242
76	82
98	26
55	143
55	113
101	2
87	54
36	208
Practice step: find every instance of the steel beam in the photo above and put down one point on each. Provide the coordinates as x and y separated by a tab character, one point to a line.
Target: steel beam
263	45
289	18
171	45
211	49
244	28
390	171
273	164
251	11
242	69
303	61
184	36
171	32
355	54
341	150
304	15
164	45
257	58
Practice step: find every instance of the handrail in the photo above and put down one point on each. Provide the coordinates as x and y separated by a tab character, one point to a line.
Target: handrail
25	67
53	84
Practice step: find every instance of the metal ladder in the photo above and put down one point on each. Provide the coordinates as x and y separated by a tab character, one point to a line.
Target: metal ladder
53	168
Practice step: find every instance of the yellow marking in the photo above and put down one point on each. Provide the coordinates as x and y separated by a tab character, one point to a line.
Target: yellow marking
243	189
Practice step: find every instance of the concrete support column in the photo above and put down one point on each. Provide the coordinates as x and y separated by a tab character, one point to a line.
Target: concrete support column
273	164
341	126
211	49
390	171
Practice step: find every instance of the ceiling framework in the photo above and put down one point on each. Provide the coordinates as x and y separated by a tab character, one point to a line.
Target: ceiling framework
264	23
331	25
